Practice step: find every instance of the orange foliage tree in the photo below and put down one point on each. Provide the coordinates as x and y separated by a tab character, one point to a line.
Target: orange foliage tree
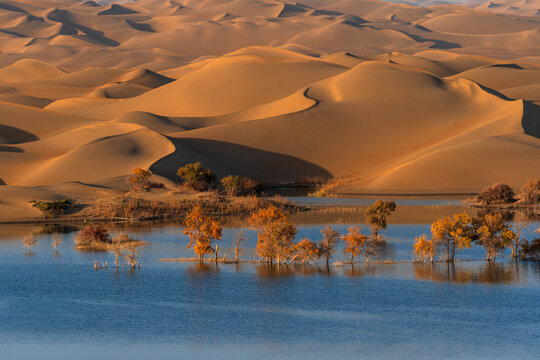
306	251
202	230
425	249
355	242
275	234
494	235
453	234
141	179
329	242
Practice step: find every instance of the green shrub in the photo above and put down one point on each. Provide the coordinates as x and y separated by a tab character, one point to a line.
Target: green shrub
52	208
196	177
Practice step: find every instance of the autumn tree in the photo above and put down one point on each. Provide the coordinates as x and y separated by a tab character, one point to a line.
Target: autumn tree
328	244
494	235
453	234
425	249
275	234
377	215
29	241
202	231
355	242
306	251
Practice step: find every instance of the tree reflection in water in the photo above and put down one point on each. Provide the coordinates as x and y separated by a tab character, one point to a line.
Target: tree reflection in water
488	273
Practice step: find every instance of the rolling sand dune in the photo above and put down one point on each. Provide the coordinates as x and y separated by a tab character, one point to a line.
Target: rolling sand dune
432	99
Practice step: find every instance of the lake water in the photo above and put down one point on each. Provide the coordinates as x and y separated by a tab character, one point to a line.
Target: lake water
58	306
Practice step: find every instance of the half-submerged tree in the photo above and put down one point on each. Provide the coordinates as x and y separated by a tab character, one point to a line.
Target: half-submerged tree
516	241
56	240
356	243
29	241
377	215
453	234
306	251
425	249
496	194
202	231
494	235
131	257
328	244
196	177
275	234
239	238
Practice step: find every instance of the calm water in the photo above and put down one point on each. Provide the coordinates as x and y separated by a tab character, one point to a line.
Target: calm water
57	306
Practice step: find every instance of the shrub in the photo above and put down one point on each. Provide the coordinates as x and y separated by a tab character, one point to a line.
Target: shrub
92	236
530	193
196	173
496	194
234	185
141	179
530	249
52	208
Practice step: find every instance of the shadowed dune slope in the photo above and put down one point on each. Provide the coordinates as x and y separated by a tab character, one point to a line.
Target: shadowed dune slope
412	99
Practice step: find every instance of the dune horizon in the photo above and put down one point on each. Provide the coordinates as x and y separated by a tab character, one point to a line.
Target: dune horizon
430	98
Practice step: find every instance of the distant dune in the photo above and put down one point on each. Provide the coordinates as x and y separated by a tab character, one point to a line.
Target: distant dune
434	99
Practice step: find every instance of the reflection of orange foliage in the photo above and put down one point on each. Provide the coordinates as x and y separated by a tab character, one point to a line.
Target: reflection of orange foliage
275	234
307	251
425	249
202	230
490	273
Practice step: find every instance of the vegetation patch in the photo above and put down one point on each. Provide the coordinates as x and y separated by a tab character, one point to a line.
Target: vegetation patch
52	208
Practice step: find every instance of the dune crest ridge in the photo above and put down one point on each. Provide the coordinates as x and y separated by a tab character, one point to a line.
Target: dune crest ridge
440	99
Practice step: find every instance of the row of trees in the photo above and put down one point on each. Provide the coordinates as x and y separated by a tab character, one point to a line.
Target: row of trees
499	193
452	234
275	236
195	177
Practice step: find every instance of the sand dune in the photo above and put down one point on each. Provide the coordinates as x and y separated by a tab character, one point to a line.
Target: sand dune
431	99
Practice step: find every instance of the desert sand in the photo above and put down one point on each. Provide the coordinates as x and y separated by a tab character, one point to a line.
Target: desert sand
428	99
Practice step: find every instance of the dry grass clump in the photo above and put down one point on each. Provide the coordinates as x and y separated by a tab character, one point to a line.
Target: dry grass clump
138	209
326	189
234	185
496	194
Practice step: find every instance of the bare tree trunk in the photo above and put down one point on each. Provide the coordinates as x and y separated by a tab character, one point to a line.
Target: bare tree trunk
217	254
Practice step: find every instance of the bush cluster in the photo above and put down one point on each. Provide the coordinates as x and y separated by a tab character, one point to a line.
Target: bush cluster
52	208
496	194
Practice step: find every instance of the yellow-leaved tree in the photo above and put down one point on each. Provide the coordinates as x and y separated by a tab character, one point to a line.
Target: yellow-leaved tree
202	231
453	234
275	234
